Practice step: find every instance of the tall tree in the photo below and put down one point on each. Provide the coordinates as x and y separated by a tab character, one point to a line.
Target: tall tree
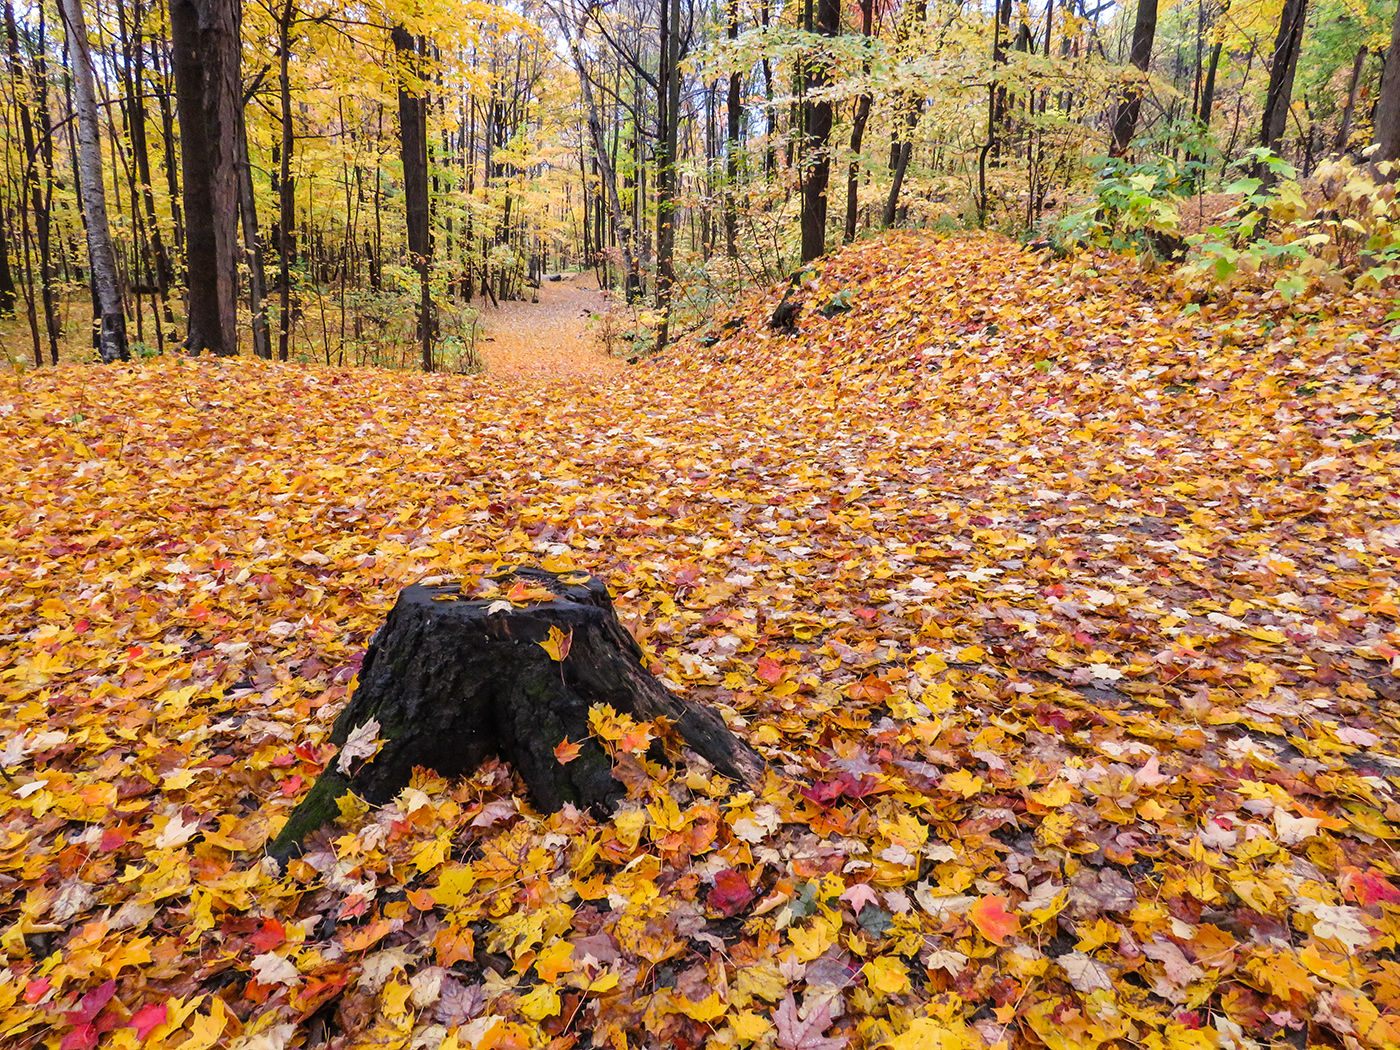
908	105
252	245
1140	57
413	148
110	327
1208	90
734	109
668	98
7	280
858	122
133	75
1287	45
208	97
1388	105
286	190
815	154
1344	129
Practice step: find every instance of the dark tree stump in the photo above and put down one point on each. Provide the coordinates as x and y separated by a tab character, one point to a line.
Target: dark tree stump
451	682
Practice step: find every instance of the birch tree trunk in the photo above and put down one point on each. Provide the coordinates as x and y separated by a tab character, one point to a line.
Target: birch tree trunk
668	96
733	112
111	335
111	322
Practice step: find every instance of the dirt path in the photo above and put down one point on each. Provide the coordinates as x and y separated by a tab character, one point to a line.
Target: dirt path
548	339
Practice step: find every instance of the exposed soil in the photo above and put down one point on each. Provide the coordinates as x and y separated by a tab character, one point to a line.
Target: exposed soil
549	339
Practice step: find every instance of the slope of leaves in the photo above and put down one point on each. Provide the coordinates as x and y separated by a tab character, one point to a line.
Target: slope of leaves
1066	621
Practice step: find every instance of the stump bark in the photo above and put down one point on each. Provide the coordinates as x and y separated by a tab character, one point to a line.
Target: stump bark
451	681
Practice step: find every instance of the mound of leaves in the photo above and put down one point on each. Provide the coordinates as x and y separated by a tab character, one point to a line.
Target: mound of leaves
1065	617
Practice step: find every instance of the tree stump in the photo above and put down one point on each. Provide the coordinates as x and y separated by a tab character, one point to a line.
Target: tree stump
451	681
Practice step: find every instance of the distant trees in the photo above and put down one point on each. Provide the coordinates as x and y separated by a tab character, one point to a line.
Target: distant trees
365	190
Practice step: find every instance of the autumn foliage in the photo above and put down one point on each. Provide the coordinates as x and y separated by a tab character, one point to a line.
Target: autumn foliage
1064	615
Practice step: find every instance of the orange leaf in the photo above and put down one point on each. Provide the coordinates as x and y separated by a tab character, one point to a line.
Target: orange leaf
358	940
991	917
567	752
452	945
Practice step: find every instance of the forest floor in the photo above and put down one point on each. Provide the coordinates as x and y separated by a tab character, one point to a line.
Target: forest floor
558	337
1066	615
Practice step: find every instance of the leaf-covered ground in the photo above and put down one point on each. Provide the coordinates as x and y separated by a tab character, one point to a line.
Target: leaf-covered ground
1066	620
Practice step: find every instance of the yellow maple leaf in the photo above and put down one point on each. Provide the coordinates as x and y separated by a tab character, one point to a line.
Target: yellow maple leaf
393	1000
429	856
886	975
557	644
926	1033
750	1026
964	783
705	1010
454	883
541	1003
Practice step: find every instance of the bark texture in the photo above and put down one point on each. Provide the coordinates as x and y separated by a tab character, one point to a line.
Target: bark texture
815	150
1277	99
451	682
1388	105
111	320
1130	104
208	94
413	143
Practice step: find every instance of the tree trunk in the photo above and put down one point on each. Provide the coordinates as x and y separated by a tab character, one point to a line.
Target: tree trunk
446	683
7	279
815	155
111	320
1208	91
1344	131
1130	103
413	142
907	107
252	245
668	126
1387	134
208	93
140	151
733	111
1285	61
286	190
858	122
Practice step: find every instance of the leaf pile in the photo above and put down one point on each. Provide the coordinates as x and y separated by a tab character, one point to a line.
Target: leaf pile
1067	621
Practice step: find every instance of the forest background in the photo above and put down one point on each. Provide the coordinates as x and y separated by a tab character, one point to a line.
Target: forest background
349	184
